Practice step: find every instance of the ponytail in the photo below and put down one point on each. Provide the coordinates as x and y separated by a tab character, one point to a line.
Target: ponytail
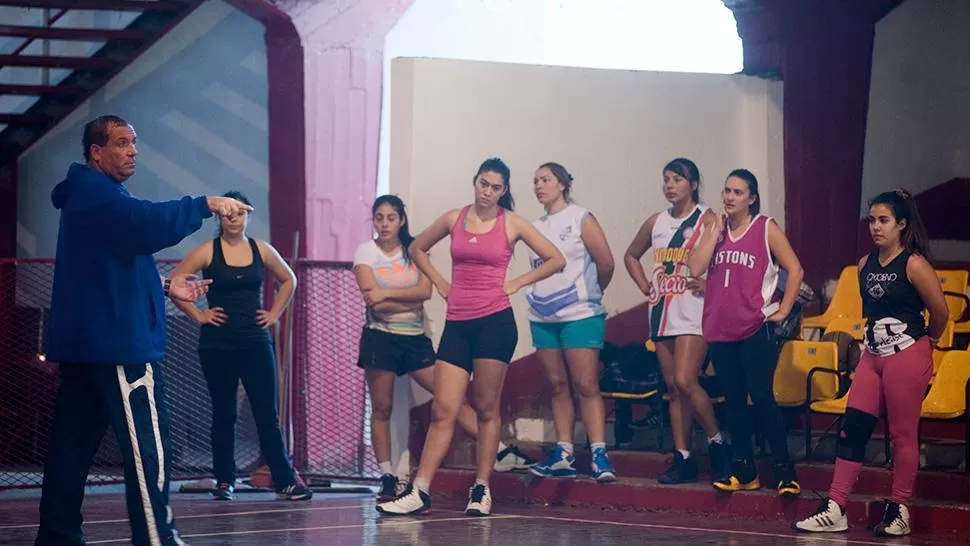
404	234
913	236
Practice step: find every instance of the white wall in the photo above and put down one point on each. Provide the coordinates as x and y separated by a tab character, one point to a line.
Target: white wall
614	130
197	99
671	35
918	131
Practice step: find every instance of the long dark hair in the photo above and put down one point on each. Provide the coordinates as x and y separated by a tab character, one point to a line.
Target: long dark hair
913	236
404	234
687	170
562	175
749	178
497	166
238	196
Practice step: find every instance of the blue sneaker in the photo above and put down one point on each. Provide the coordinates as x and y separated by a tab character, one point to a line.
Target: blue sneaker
558	465
602	470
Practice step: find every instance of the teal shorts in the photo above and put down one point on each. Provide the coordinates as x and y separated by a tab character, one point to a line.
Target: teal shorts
588	333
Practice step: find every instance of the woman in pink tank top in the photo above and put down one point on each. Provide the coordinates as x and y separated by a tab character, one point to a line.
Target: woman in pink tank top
741	251
480	332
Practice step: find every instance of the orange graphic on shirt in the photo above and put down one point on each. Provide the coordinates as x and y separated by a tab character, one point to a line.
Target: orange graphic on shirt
387	275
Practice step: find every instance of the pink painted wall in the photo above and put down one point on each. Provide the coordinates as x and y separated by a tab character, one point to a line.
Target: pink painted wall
343	58
342	45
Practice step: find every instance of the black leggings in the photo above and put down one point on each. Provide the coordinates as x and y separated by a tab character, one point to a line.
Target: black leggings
256	367
748	367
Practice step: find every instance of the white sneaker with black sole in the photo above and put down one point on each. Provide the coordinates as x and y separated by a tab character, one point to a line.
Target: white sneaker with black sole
895	523
829	518
410	502
479	501
511	459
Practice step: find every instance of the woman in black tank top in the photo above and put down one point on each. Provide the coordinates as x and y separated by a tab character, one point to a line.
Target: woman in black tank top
896	283
235	345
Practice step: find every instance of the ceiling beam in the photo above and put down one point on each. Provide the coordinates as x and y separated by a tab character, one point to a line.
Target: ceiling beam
32	90
14	119
110	5
47	61
79	34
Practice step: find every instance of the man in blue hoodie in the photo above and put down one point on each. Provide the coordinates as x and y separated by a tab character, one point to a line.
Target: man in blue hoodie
107	332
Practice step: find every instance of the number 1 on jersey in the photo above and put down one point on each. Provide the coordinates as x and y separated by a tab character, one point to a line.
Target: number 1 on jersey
727	277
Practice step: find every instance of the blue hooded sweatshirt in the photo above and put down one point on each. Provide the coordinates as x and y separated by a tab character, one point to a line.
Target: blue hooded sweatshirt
108	306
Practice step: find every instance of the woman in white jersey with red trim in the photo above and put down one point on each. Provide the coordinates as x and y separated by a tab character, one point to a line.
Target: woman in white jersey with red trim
741	251
676	310
568	321
480	333
394	341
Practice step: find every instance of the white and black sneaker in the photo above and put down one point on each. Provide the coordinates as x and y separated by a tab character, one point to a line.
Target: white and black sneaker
895	523
829	518
511	459
479	501
295	492
391	487
410	502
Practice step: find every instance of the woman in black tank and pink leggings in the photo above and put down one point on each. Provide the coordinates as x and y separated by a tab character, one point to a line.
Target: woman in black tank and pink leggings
897	283
480	332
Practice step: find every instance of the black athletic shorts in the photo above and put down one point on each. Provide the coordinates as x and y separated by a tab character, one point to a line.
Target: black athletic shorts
396	353
492	336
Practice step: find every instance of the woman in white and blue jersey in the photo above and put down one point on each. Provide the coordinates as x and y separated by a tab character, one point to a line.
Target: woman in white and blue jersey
568	321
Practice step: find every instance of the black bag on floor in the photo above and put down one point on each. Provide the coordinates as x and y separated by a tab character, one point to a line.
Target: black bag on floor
630	369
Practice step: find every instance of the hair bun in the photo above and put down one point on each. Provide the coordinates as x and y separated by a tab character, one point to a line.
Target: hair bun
903	194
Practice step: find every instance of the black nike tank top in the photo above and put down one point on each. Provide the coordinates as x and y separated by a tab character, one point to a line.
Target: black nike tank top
239	292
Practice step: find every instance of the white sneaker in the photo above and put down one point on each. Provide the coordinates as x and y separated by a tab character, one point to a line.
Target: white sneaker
510	459
895	523
829	518
479	501
411	501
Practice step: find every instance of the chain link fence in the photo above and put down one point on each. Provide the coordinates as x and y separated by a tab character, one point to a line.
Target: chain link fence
330	405
28	386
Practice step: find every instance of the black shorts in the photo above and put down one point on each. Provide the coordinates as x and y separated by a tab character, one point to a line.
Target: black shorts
493	337
396	353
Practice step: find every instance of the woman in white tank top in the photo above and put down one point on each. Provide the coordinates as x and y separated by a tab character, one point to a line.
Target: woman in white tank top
676	310
568	321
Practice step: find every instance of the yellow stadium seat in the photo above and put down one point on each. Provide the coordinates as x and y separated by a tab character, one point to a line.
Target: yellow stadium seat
949	396
943	346
855	327
802	362
846	302
806	371
954	284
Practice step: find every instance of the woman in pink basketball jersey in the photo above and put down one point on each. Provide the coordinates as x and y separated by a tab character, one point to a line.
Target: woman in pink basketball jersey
741	250
480	332
897	283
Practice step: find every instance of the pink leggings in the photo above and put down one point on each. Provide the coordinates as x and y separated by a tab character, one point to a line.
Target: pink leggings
897	384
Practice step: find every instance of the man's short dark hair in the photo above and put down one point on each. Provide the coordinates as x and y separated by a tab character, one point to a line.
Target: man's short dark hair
96	132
